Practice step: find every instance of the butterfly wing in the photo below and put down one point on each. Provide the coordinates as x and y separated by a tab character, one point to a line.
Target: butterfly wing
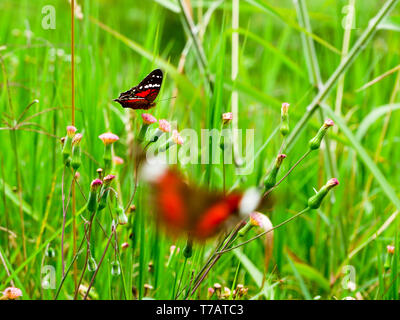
190	210
143	95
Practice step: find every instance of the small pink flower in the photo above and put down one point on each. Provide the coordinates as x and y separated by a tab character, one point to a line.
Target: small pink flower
260	220
164	125
71	131
77	139
176	137
125	245
390	249
285	108
148	118
95	184
227	117
12	293
328	123
108	179
172	249
108	138
332	182
280	158
118	160
210	291
77	175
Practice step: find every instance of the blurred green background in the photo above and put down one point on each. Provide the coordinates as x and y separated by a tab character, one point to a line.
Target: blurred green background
117	44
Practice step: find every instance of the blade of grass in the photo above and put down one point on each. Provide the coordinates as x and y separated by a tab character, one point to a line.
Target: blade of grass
345	64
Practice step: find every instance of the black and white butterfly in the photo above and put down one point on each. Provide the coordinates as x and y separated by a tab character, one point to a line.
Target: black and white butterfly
143	95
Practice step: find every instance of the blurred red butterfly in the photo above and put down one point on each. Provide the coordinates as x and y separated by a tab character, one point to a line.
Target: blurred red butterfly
191	210
143	95
184	208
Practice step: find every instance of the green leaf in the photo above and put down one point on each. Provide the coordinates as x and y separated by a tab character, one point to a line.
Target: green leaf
373	116
363	155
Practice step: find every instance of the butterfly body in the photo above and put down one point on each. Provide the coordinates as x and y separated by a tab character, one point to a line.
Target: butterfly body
143	95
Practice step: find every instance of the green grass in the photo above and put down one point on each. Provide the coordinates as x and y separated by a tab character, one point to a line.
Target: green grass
284	55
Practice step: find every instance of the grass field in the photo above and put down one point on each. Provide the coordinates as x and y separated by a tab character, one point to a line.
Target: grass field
327	59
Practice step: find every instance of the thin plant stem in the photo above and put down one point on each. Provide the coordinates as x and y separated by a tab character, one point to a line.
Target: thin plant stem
136	180
87	236
14	144
181	277
265	232
5	267
287	173
100	262
69	267
216	256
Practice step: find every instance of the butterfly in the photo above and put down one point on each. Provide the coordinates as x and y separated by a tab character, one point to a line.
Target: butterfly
143	95
191	210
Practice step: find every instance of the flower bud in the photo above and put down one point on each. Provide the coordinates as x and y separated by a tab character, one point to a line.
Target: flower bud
315	201
118	160
92	199
76	151
389	257
315	142
125	245
50	252
284	128
175	139
270	179
71	131
227	118
164	126
148	119
11	293
108	139
115	268
67	146
105	191
100	173
122	218
188	250
92	264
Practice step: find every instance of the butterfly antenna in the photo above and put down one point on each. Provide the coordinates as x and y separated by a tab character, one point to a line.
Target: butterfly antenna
166	99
